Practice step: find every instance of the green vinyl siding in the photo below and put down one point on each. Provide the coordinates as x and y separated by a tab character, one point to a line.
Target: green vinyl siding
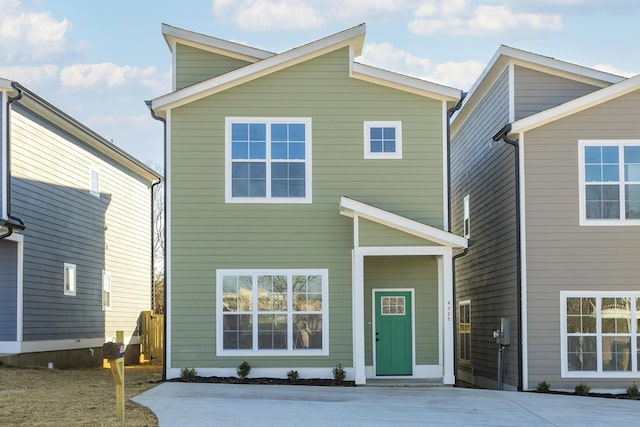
374	234
407	272
195	65
207	234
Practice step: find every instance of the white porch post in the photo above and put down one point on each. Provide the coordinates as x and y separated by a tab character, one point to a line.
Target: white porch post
447	278
357	292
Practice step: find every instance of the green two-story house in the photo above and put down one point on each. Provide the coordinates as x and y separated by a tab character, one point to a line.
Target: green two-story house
307	213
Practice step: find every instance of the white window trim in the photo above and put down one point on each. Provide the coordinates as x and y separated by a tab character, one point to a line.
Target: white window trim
220	351
367	139
268	121
460	304
107	280
466	218
96	170
70	267
565	373
581	178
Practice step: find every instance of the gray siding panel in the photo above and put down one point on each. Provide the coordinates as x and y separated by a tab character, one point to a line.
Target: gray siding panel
536	91
8	290
561	255
2	160
484	170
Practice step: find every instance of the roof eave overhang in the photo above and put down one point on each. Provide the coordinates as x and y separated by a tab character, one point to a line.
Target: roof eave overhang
352	208
405	83
212	44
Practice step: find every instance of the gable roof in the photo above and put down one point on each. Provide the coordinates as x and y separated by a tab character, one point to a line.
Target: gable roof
506	55
67	123
352	38
350	207
576	105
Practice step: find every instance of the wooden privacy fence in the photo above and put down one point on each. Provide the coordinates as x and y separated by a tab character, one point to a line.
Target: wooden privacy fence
152	336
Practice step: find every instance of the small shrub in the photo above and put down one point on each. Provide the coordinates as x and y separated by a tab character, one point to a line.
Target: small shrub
633	391
543	387
243	370
339	374
188	374
582	389
293	376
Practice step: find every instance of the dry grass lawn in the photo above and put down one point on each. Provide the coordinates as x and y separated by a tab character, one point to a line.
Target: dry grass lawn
73	397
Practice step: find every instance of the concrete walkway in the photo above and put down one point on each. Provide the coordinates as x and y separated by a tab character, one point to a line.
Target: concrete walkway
197	404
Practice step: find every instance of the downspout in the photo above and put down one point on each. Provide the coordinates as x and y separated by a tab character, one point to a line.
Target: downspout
20	222
450	112
503	135
164	230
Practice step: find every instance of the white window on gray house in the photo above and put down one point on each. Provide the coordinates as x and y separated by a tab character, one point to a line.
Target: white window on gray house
106	290
382	140
609	182
272	312
69	279
466	218
94	181
464	330
268	160
600	334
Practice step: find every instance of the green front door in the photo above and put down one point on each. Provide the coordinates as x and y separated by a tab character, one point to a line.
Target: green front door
393	333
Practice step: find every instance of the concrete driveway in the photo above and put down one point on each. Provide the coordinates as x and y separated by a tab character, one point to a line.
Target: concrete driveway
197	404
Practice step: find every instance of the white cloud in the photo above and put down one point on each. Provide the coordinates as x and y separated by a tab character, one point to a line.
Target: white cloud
32	37
140	120
455	74
458	18
30	75
264	15
109	74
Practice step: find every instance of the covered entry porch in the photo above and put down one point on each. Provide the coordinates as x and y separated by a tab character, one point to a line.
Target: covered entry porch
402	296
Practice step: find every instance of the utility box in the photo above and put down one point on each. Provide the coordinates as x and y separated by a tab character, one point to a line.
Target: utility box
112	350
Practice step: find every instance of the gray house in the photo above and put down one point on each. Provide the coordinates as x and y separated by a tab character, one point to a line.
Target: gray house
75	236
545	158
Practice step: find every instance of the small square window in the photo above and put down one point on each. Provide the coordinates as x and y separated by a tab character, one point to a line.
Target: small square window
383	140
69	279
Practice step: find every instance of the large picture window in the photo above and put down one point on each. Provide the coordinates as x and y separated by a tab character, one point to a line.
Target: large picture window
609	182
268	160
271	312
600	334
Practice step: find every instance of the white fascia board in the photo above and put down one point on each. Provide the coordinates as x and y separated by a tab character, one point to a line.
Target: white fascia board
213	44
404	83
576	105
351	208
352	37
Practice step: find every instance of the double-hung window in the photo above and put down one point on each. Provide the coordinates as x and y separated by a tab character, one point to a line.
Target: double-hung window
272	312
383	140
600	334
268	160
609	182
464	330
106	290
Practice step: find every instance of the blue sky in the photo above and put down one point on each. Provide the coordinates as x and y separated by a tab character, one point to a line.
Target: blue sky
99	61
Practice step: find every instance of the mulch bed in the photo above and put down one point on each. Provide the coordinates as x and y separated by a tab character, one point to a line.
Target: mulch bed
262	380
590	394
